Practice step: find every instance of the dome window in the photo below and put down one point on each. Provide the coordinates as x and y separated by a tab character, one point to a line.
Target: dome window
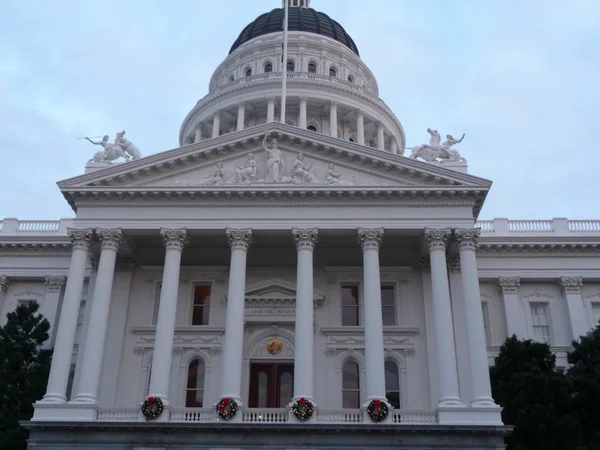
268	67
332	72
350	79
311	128
248	72
291	66
312	67
231	78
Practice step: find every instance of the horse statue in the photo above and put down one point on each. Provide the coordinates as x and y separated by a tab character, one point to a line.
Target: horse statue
110	152
127	146
435	150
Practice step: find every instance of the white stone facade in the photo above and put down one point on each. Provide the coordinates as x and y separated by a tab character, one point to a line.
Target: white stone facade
322	255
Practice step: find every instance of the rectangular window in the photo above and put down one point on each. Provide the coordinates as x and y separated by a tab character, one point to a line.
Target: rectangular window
388	306
596	313
486	323
540	322
201	305
350	311
156	303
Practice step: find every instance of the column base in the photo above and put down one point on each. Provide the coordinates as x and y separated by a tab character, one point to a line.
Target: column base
470	416
67	412
484	402
85	399
451	402
53	399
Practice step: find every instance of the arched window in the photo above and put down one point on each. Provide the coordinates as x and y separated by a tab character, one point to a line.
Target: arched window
231	78
291	66
312	67
350	78
194	392
351	139
312	128
392	383
248	72
350	385
332	72
268	67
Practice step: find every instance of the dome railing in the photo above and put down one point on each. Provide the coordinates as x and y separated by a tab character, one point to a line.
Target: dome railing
294	75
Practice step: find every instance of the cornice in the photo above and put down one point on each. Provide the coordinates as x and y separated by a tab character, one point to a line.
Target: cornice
35	249
545	249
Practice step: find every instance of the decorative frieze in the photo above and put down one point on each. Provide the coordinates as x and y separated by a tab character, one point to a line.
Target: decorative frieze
353	338
184	338
509	285
571	285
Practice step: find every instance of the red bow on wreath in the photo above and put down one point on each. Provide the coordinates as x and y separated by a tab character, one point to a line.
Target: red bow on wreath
151	400
303	401
377	404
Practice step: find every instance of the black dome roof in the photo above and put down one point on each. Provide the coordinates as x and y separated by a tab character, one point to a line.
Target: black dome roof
300	19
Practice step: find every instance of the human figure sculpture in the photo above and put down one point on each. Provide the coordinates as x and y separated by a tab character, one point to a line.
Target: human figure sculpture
275	163
303	174
216	178
335	178
127	146
247	173
110	152
435	151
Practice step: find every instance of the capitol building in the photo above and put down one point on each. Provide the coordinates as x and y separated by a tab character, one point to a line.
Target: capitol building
291	276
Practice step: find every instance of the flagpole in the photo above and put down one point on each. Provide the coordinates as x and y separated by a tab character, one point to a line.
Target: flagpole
284	62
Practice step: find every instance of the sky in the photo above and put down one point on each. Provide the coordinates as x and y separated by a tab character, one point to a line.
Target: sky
520	77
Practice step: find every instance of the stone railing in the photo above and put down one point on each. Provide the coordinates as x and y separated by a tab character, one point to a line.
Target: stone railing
295	75
555	226
268	415
33	227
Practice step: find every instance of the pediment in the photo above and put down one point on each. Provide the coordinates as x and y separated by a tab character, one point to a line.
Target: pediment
238	160
277	290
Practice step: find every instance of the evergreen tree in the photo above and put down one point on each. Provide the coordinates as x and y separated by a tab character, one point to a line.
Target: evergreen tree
24	369
535	397
585	377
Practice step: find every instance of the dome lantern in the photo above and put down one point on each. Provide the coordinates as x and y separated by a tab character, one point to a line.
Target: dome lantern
296	3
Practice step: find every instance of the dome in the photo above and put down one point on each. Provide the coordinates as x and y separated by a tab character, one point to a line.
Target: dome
300	19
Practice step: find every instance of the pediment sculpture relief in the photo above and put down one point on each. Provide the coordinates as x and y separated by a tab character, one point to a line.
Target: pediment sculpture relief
436	151
120	148
274	169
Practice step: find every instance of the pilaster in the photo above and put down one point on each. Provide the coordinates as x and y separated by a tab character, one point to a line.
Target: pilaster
54	287
571	291
514	307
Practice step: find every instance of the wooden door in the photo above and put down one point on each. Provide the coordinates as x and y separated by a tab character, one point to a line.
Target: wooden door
271	385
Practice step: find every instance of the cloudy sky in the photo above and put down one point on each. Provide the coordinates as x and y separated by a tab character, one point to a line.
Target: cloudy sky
520	77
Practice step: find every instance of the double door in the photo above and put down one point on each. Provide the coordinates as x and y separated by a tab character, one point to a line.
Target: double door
271	385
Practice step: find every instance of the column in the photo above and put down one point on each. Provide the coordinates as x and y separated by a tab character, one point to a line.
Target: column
360	128
333	122
198	135
239	241
571	290
216	130
271	110
370	241
56	391
380	137
241	116
480	379
302	115
442	317
93	349
513	306
160	376
54	287
305	241
394	148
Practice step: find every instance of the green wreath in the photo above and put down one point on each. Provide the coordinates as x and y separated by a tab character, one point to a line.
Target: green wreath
303	409
227	408
378	410
152	408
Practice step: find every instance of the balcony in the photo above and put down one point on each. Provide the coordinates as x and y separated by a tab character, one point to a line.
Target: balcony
272	416
556	227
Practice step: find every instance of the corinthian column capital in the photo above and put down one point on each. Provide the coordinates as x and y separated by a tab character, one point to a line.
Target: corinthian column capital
437	238
467	238
571	285
80	238
4	282
54	284
239	238
509	285
174	239
370	238
305	238
110	238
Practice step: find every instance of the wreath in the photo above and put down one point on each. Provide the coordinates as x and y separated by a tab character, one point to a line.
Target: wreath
303	409
227	408
378	410
152	408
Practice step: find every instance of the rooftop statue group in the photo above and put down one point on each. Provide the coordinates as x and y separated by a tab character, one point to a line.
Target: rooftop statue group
121	148
438	151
